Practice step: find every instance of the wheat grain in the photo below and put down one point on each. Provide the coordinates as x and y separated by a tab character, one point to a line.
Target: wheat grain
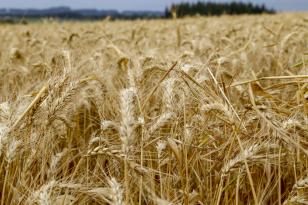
199	110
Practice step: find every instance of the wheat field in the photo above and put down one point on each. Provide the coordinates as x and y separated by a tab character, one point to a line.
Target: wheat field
200	110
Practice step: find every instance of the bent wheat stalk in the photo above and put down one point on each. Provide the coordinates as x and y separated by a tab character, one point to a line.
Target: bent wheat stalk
40	97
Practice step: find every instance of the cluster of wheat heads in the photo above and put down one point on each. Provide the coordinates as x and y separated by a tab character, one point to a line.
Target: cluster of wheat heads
193	111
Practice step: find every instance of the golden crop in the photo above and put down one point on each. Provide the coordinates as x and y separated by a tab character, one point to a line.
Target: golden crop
201	110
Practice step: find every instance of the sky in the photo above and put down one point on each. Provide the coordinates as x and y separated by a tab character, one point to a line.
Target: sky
280	5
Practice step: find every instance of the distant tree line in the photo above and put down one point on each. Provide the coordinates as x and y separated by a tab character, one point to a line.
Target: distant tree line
180	10
213	8
66	13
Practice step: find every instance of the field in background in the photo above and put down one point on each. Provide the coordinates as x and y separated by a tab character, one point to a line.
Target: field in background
192	111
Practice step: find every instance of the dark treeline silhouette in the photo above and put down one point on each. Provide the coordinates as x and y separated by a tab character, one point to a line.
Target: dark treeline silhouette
212	8
182	9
